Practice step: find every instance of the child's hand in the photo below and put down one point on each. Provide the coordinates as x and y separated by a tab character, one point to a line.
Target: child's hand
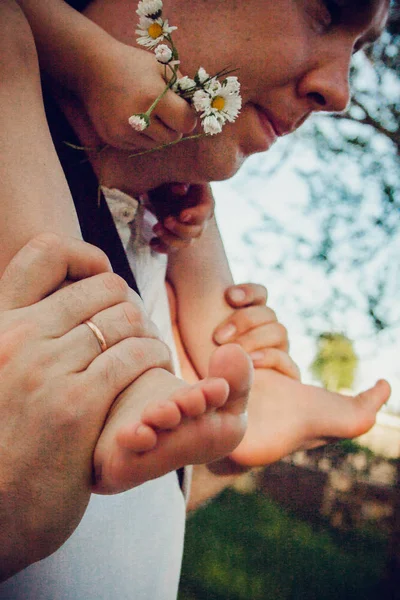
255	327
120	81
183	211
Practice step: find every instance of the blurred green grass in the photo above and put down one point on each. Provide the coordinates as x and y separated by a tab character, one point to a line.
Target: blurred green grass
245	547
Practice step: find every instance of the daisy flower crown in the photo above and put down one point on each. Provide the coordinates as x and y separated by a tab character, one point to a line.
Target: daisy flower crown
216	98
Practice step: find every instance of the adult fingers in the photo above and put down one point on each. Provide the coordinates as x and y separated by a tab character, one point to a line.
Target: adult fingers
136	141
242	320
160	133
115	323
43	264
246	294
78	302
272	358
176	113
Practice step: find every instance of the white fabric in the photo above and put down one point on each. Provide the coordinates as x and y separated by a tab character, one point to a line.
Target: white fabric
127	546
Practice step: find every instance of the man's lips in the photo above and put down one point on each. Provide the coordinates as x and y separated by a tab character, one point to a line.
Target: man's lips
267	124
279	127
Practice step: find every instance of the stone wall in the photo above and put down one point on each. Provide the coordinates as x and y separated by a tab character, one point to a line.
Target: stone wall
350	490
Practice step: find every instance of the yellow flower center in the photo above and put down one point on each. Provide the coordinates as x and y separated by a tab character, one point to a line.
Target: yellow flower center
218	103
155	30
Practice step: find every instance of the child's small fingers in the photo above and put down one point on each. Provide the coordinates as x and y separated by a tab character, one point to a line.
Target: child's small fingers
271	335
198	205
179	189
242	320
184	232
176	113
171	241
158	246
246	294
272	358
196	215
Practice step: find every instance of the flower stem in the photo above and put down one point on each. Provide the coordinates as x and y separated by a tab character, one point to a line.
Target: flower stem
97	149
170	83
157	100
189	137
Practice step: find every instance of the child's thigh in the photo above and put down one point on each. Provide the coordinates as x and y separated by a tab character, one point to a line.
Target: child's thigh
34	196
17	47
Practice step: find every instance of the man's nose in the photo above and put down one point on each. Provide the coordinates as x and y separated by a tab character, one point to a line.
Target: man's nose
326	85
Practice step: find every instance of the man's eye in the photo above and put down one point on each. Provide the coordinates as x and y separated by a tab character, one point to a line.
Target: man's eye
324	14
334	10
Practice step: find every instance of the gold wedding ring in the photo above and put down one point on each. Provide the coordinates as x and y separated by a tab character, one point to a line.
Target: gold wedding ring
99	336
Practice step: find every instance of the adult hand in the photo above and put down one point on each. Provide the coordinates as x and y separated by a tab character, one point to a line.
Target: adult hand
57	386
117	81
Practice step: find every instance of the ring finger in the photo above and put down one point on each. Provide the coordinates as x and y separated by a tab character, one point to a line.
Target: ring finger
115	324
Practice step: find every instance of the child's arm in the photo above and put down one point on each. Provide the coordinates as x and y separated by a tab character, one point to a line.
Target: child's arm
111	79
200	275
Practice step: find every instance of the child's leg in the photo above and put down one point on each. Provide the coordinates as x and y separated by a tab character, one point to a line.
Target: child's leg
151	431
286	415
34	193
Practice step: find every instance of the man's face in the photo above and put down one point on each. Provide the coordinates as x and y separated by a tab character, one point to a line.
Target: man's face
292	58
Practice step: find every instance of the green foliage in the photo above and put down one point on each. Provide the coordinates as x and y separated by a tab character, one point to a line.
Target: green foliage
349	447
336	362
244	547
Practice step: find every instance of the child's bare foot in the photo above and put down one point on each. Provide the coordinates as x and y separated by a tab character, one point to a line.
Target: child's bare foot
160	423
285	415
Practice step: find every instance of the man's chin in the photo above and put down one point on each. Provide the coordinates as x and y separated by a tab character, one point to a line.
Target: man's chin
223	166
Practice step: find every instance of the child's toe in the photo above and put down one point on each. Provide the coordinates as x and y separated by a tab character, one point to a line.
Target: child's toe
162	416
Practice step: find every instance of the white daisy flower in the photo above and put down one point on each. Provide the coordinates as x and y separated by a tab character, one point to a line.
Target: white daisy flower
226	104
201	76
211	125
183	84
153	31
232	83
219	100
150	8
212	86
163	54
201	101
139	122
